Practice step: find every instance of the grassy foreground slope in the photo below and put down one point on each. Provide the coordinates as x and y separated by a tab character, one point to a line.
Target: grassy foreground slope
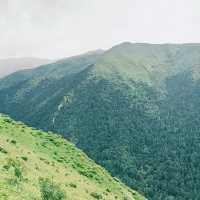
38	165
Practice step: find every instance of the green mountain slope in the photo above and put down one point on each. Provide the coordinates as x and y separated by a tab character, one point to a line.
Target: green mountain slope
33	163
151	63
53	71
133	109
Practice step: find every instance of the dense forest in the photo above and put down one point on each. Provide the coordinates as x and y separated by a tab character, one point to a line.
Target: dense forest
142	127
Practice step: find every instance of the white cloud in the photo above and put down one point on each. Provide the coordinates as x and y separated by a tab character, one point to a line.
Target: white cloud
59	28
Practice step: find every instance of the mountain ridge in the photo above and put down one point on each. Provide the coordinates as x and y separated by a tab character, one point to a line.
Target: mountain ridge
134	110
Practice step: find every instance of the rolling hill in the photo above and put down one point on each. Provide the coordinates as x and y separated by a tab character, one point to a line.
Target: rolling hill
38	165
134	109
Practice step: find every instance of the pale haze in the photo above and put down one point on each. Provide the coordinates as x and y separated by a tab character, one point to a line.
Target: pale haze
61	28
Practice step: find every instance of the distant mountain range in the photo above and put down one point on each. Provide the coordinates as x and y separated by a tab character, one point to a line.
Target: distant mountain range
10	65
134	109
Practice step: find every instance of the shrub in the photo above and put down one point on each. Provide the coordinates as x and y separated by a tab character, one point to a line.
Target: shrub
73	185
2	150
50	191
24	158
8	120
6	167
13	142
108	190
16	167
96	195
18	172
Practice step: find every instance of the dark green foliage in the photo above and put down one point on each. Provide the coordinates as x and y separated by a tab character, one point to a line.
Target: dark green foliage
96	195
24	158
6	167
87	171
2	150
50	191
73	185
18	172
15	166
13	142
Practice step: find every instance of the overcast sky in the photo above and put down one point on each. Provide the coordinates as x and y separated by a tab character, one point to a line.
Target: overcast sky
61	28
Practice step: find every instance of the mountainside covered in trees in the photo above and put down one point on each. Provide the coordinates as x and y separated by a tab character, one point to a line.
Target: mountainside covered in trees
134	109
36	165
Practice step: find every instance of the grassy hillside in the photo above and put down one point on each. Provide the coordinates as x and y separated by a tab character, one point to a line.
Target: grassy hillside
37	165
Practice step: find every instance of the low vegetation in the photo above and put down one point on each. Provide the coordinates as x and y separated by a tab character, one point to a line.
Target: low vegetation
50	191
31	170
